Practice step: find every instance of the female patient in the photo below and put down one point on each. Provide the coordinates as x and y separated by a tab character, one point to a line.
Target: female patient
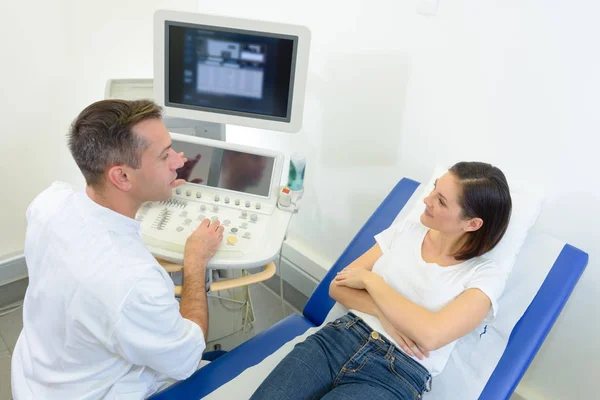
417	290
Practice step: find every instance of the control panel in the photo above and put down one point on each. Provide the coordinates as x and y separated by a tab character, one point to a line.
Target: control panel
254	226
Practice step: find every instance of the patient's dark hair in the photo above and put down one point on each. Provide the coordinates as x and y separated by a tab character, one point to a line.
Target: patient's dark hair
484	194
102	136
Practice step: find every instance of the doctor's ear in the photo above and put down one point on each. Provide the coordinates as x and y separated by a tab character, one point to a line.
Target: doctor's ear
118	176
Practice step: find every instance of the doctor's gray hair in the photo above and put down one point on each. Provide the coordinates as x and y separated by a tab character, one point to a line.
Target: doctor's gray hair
102	136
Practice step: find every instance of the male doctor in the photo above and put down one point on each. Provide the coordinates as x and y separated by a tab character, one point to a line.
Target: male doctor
100	320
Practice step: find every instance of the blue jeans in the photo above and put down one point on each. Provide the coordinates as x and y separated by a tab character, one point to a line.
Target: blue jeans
345	360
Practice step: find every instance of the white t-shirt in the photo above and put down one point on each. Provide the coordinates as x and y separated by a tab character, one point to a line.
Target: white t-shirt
427	284
100	320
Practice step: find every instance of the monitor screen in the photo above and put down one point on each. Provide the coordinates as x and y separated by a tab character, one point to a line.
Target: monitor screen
229	71
225	169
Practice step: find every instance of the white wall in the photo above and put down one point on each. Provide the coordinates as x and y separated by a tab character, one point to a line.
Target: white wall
113	40
35	72
514	83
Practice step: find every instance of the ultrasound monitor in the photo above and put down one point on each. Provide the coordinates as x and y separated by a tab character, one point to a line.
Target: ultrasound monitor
230	71
238	171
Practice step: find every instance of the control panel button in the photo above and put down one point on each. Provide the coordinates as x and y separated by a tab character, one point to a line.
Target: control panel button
253	217
226	199
237	202
214	218
217	197
232	239
234	230
258	206
244	214
188	193
244	225
201	217
179	228
187	221
226	222
215	208
183	214
247	235
198	195
203	207
247	203
178	190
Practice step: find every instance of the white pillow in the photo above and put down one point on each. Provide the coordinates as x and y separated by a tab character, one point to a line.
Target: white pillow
526	207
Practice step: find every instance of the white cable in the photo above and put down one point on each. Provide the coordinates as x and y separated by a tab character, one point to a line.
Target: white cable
228	335
295	209
281	281
230	308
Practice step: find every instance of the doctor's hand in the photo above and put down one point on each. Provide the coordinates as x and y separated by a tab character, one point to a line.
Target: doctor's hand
203	243
405	343
352	277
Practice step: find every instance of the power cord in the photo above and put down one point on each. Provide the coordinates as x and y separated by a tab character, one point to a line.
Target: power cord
293	211
228	335
281	281
230	299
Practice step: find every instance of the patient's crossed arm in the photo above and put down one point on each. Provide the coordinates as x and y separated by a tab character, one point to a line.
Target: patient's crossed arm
361	300
431	330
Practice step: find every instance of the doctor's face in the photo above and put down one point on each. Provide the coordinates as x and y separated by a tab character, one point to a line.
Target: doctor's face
154	179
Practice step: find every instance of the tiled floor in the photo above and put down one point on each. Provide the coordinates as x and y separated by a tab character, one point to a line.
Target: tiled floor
4	371
224	329
10	327
225	319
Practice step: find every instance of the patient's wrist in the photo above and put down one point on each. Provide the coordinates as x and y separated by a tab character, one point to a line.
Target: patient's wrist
371	281
379	314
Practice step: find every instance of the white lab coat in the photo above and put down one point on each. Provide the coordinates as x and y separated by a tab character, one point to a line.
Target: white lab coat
100	320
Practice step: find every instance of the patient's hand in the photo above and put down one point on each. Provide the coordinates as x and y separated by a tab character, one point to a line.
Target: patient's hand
406	344
352	277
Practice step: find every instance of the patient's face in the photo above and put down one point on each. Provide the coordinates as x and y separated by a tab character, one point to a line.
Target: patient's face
442	208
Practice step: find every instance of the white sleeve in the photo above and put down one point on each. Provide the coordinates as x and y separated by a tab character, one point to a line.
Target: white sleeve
151	332
387	238
490	279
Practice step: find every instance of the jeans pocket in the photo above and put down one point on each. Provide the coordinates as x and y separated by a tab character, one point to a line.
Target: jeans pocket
407	378
410	367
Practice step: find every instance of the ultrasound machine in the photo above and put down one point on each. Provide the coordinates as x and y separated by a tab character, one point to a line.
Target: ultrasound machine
210	71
